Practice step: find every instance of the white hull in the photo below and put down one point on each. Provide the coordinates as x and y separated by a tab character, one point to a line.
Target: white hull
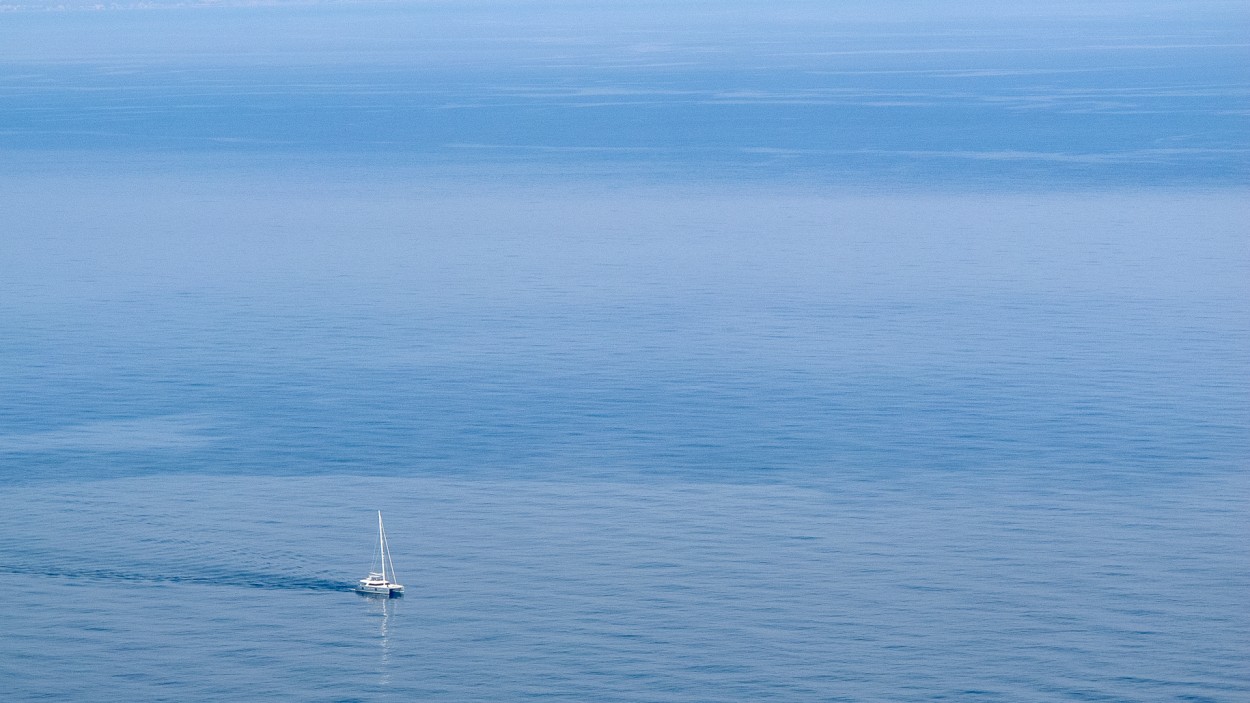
393	590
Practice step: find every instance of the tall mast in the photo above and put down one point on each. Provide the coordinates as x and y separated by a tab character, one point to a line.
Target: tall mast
382	545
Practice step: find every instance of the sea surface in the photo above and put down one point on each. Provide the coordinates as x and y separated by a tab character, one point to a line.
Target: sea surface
775	356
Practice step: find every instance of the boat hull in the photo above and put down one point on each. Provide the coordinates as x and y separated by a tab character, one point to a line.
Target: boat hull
392	591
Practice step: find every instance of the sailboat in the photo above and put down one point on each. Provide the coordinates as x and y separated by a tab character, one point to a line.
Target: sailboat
381	582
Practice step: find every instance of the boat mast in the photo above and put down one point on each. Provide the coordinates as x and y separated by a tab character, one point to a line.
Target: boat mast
382	545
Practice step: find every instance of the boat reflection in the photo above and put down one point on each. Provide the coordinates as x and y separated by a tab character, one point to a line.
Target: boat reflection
385	608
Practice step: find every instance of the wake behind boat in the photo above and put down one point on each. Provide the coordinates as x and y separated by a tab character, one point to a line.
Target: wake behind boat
381	578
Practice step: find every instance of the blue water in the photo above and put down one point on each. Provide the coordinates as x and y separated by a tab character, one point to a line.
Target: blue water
779	356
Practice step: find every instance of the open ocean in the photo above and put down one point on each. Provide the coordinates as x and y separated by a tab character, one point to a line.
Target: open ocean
771	361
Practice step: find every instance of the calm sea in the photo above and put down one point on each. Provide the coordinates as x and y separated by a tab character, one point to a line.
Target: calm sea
763	376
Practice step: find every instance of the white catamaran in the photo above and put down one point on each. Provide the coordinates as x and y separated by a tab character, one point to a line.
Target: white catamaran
381	581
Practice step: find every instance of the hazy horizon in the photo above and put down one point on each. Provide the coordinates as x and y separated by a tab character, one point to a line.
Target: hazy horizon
1108	95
